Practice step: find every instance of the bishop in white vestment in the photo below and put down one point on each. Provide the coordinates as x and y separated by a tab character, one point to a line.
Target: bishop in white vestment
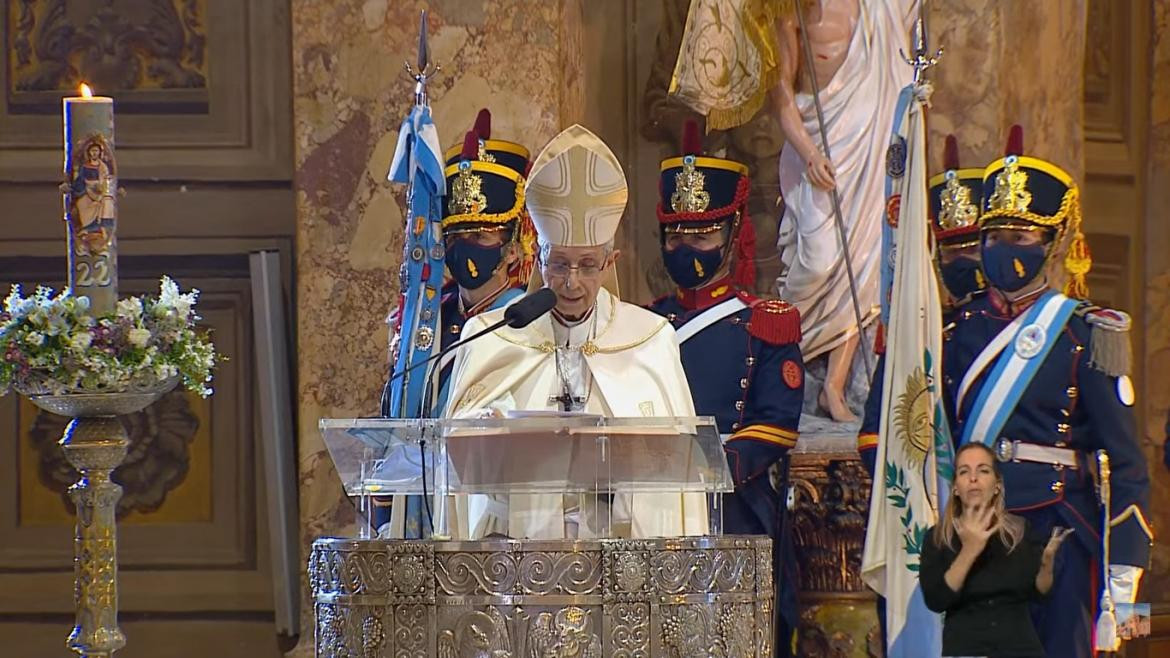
594	353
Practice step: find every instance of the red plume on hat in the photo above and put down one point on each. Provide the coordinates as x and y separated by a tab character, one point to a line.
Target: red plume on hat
470	146
692	142
1015	142
483	124
951	153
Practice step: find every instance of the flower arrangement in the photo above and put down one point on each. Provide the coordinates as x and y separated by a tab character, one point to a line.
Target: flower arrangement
53	345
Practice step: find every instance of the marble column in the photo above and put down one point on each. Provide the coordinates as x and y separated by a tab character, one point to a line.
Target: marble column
1009	62
350	94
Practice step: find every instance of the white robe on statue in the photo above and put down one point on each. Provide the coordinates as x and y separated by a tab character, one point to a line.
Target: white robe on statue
634	372
858	106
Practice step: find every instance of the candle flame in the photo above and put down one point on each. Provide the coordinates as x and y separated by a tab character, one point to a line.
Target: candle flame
86	92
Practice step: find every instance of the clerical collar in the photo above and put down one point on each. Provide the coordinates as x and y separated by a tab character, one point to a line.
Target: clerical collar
694	299
1013	307
568	322
483	303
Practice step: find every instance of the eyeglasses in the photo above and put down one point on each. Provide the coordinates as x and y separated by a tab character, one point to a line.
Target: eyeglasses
585	270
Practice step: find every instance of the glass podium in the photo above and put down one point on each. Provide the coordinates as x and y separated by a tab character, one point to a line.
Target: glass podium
602	594
594	458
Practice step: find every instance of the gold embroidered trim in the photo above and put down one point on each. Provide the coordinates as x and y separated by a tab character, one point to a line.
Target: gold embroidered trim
690	194
956	210
486	218
467	197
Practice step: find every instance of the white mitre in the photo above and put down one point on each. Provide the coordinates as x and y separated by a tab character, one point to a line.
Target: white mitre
576	191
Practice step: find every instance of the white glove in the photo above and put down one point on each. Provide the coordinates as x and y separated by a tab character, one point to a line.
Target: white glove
1123	582
1123	586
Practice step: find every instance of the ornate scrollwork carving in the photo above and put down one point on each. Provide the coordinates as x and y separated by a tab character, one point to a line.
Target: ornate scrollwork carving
509	600
120	45
703	571
563	573
466	574
630	630
832	505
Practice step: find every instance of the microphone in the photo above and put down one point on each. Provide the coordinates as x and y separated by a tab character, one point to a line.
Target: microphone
530	307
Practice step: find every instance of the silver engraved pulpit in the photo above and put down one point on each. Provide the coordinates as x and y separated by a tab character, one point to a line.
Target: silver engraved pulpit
608	595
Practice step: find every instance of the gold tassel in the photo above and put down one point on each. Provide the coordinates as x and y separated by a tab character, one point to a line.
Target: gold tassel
1078	261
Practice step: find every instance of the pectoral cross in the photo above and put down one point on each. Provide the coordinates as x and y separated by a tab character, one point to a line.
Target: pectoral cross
566	400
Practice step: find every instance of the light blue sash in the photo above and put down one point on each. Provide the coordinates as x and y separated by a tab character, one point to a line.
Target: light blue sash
1018	363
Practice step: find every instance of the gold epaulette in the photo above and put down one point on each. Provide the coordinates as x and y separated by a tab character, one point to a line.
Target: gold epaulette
1109	344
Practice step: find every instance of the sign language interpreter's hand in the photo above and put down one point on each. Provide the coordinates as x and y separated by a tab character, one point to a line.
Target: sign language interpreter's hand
975	527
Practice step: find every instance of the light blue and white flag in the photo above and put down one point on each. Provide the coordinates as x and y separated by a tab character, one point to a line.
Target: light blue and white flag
914	453
418	162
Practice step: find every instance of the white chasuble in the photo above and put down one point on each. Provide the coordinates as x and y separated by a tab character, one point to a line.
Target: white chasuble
625	361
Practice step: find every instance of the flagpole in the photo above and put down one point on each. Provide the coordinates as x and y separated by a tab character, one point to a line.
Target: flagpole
415	283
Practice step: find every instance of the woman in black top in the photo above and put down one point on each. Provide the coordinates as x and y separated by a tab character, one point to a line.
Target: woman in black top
980	567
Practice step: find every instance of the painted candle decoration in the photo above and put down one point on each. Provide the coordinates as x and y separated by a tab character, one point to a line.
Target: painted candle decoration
90	199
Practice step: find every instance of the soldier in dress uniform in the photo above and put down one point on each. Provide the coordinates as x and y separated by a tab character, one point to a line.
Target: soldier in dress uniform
489	240
489	248
741	353
1043	379
955	199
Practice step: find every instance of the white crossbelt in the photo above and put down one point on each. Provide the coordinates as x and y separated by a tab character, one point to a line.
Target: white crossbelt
708	317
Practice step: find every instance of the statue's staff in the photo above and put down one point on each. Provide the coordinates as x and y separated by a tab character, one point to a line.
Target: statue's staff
838	217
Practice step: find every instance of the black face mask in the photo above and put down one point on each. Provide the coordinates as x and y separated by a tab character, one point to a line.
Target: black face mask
962	277
690	267
1010	267
471	264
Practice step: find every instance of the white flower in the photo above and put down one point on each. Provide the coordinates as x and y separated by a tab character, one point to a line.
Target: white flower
80	341
13	301
138	337
35	338
131	307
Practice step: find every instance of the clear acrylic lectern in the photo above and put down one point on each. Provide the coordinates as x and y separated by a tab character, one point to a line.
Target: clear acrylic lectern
594	458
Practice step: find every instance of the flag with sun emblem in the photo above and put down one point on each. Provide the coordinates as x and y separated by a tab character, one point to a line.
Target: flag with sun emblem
914	445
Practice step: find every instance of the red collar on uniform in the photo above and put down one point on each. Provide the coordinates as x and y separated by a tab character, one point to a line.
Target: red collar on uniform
694	299
1010	309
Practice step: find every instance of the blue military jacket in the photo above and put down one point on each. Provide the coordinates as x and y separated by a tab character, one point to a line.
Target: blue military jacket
1074	403
745	369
